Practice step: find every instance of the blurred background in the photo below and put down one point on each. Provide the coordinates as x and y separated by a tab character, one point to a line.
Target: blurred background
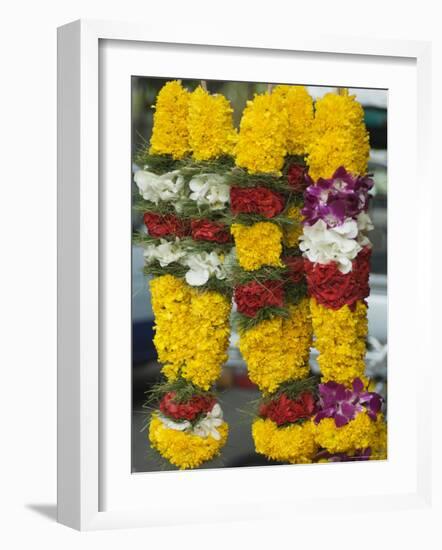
236	391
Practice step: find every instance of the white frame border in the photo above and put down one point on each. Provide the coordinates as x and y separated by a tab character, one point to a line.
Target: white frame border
78	250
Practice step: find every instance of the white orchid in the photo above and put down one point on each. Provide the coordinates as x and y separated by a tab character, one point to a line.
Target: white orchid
166	252
209	189
321	244
202	265
168	187
208	424
205	427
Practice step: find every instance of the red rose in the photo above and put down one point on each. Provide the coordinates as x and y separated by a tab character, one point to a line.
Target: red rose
253	296
162	225
296	178
284	410
295	266
188	410
205	230
256	200
334	289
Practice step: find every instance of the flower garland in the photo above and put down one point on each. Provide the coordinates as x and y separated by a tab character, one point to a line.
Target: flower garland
187	248
273	312
211	131
336	251
275	215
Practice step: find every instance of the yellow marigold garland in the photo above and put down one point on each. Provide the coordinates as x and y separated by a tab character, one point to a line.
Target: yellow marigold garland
339	137
340	340
185	450
299	106
191	330
170	135
294	231
257	245
379	447
294	443
262	139
278	349
211	131
359	433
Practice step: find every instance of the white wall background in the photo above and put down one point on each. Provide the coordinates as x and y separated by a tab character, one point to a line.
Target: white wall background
28	276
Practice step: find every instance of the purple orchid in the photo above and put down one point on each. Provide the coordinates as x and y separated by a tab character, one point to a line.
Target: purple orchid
336	199
342	404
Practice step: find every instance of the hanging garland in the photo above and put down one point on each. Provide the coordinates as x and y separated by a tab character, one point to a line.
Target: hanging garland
275	217
336	250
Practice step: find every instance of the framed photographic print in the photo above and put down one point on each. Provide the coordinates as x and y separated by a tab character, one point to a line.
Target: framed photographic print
233	261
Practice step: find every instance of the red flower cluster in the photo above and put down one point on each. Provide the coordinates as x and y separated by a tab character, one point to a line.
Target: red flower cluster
162	225
333	289
255	295
205	230
284	410
256	200
188	410
295	265
296	178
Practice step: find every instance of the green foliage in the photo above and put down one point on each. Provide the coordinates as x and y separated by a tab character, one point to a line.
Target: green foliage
294	388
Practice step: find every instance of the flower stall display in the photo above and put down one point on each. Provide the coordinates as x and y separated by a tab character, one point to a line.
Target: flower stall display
271	219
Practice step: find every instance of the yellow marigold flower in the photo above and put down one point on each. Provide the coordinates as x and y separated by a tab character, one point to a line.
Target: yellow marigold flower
185	450
379	449
340	340
169	133
262	140
359	433
210	125
191	330
278	349
339	137
257	245
295	443
294	231
299	107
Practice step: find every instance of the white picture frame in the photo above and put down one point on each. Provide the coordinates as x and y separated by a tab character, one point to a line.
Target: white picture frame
89	430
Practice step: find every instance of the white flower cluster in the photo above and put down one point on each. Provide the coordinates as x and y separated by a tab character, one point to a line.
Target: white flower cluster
206	426
204	189
202	265
340	244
